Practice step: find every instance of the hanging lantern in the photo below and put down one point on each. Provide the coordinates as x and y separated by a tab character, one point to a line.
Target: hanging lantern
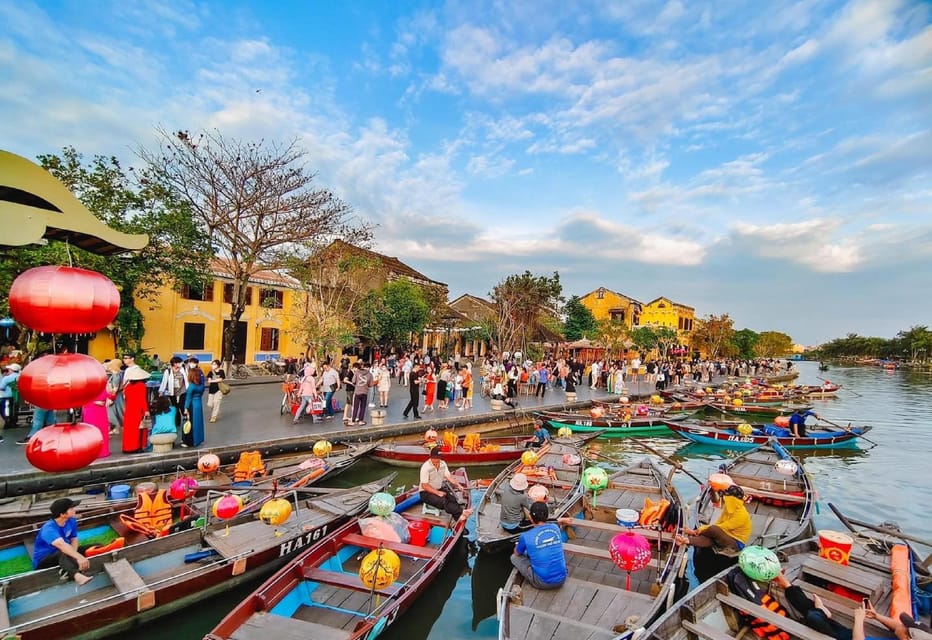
786	467
595	479
759	563
379	568
182	488
597	411
745	429
227	506
381	504
782	421
430	436
62	381
208	463
529	458
564	432
737	402
538	493
322	448
630	552
655	399
275	511
64	447
56	299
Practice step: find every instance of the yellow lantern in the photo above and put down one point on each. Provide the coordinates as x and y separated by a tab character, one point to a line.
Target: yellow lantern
379	568
708	389
275	511
655	399
745	429
529	458
322	448
564	432
737	402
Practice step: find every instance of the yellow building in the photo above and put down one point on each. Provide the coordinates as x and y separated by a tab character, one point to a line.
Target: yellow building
606	304
663	312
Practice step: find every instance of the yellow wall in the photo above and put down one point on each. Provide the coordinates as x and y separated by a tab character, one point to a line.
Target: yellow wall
610	300
666	313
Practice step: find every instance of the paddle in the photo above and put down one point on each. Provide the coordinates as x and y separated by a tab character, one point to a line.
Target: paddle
848	430
851	522
845	388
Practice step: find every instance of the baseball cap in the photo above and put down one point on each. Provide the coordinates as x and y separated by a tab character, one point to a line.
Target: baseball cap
435	452
62	505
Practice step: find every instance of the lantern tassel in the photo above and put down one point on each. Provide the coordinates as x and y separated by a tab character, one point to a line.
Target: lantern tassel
628	581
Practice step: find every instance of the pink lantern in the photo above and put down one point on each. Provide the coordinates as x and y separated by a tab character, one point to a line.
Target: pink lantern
182	488
62	381
64	300
227	506
64	447
630	552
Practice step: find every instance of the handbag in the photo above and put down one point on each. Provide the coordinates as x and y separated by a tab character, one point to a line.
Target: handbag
224	387
186	427
146	423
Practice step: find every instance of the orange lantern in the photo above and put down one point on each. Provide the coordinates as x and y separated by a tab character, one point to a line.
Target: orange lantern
208	463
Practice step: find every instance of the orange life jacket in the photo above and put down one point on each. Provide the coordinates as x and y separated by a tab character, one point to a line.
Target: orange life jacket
763	629
471	442
152	516
249	466
653	512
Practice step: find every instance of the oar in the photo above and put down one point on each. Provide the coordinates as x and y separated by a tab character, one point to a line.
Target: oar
676	465
848	430
851	522
842	387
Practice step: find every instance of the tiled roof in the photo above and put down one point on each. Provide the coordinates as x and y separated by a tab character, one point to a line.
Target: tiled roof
220	267
391	263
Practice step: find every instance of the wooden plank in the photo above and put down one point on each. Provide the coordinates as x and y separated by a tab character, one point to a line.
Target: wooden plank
650	534
345	580
599	553
264	626
555	619
124	577
412	550
848	576
781	622
705	631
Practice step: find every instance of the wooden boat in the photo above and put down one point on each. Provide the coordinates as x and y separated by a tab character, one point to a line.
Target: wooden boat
780	498
610	426
752	411
144	581
595	602
96	501
474	452
728	436
713	612
559	468
826	390
320	594
779	378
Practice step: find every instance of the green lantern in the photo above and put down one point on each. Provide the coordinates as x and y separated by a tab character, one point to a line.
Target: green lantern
381	504
759	563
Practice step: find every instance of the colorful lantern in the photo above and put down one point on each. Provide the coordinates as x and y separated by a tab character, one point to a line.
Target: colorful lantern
381	504
227	506
322	448
623	399
597	412
64	447
379	568
782	421
737	402
430	435
786	467
56	299
275	512
595	478
208	463
564	432
655	399
529	458
538	493
759	563
642	410
182	488
720	481
62	381
630	552
745	429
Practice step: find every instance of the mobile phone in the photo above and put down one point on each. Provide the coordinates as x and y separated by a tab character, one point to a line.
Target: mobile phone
865	602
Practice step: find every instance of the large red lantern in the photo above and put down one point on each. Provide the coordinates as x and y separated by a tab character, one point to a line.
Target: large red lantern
64	447
62	381
631	552
182	488
64	300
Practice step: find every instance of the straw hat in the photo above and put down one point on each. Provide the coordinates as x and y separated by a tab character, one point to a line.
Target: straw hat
113	365
134	373
518	482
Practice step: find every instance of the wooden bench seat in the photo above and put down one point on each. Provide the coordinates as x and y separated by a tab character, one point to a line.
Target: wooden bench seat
781	622
344	580
850	576
650	534
412	550
124	577
598	553
705	631
268	626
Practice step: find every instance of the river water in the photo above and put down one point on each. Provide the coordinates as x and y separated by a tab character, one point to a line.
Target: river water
887	482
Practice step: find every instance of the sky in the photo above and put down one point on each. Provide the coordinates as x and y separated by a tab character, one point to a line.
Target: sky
768	160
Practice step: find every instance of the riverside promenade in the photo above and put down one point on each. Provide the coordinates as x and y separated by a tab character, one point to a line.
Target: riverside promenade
250	418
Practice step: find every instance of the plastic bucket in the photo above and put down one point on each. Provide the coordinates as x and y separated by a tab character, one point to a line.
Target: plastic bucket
419	531
626	517
835	546
119	492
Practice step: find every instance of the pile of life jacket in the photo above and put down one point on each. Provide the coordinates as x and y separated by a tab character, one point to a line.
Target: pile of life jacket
152	516
249	466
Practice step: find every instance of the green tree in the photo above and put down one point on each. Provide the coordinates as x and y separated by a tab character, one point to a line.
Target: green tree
390	315
744	342
613	336
713	335
772	344
915	343
521	301
666	337
580	323
644	338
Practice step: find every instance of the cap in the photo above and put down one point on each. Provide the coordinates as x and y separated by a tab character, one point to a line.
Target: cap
518	482
62	505
435	452
910	623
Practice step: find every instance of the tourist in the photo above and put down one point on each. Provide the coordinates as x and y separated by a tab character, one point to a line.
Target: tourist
94	413
543	376
438	486
116	403
57	543
329	382
594	373
173	385
384	382
346	376
457	395
193	407
215	376
514	515
430	389
539	555
467	387
443	386
307	392
8	387
362	380
730	531
135	395
414	387
163	417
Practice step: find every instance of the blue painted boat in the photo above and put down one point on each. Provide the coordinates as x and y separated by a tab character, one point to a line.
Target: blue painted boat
731	438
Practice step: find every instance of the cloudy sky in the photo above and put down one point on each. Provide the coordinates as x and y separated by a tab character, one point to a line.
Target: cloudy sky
770	160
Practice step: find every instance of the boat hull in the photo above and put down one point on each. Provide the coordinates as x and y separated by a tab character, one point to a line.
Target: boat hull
733	440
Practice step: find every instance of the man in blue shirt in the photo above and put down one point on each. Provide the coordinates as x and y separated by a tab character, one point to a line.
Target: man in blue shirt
57	542
539	555
798	422
541	436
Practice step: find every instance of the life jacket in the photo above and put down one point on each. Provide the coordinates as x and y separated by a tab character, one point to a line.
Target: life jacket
450	441
471	442
751	591
152	516
249	466
653	512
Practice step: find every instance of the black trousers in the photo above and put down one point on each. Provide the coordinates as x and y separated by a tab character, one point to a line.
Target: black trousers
413	402
66	563
447	502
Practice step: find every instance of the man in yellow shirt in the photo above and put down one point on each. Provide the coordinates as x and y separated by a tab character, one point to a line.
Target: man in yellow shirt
732	529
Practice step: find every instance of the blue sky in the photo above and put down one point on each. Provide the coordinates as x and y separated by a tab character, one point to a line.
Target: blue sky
768	160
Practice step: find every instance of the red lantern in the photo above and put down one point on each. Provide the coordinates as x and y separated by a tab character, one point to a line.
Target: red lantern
64	300
227	506
182	488
631	552
62	381
64	447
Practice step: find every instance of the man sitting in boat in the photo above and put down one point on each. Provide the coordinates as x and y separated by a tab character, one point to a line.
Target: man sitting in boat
437	486
730	531
541	436
57	543
515	504
539	555
798	422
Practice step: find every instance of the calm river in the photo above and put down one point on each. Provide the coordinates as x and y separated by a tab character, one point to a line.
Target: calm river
886	482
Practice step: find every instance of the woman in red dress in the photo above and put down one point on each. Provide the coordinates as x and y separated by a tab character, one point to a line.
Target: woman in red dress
134	390
430	388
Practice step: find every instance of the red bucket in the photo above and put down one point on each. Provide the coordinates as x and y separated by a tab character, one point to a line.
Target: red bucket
419	531
835	546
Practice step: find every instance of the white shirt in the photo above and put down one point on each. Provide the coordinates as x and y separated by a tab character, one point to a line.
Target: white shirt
432	475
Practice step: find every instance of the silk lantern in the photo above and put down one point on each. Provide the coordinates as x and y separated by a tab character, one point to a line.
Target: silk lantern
759	563
381	504
595	479
379	568
208	463
227	506
564	432
62	381
322	448
275	511
64	447
630	552
182	488
529	458
56	299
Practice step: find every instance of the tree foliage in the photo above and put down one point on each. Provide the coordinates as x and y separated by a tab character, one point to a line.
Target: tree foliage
714	335
644	338
772	344
579	323
521	301
613	336
744	342
256	202
390	315
914	344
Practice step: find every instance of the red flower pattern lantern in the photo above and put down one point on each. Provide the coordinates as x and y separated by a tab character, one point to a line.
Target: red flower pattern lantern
64	300
182	488
630	552
64	447
62	381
